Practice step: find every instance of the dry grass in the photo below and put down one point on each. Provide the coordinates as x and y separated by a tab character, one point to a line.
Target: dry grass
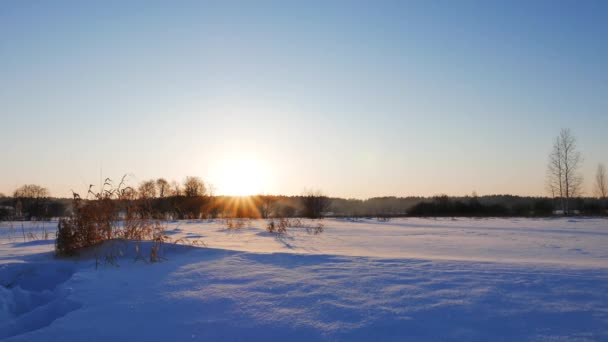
112	213
235	223
316	229
280	226
276	227
190	242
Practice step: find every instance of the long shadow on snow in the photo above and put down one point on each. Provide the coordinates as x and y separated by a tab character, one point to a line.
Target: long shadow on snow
221	295
324	297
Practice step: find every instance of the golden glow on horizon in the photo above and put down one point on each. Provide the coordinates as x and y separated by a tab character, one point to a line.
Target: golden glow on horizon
241	177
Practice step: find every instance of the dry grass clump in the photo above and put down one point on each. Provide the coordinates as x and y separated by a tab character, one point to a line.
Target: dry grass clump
111	213
280	226
316	229
276	227
92	221
235	223
190	242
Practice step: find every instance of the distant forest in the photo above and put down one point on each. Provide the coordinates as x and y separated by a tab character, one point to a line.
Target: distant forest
197	206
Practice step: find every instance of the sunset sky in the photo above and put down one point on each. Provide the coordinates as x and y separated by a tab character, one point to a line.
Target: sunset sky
356	98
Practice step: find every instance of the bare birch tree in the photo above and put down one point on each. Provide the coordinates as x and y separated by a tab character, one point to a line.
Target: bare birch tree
601	183
563	177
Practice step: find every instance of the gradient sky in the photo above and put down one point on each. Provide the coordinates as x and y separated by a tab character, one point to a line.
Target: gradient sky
357	98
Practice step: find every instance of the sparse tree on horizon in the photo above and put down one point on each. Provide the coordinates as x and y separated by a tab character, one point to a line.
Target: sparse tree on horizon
163	187
194	186
563	178
265	204
31	191
175	189
147	189
601	183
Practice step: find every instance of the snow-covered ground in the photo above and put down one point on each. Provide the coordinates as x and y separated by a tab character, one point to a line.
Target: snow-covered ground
406	279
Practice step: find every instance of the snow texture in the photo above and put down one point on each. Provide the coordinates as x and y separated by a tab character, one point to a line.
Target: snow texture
406	279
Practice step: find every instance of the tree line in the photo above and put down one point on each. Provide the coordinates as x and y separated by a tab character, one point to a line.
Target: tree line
32	202
161	199
272	206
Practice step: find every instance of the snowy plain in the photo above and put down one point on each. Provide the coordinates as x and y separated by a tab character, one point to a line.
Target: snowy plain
403	280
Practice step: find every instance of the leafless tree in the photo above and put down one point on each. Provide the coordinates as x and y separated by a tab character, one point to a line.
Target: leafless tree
163	187
128	194
194	186
601	183
265	205
175	189
31	191
563	177
147	189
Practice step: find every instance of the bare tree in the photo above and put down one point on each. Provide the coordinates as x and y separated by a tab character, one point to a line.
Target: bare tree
175	189
31	191
147	189
265	204
128	194
563	177
194	186
163	187
601	183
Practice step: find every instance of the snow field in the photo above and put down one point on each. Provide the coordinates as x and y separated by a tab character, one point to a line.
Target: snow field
407	279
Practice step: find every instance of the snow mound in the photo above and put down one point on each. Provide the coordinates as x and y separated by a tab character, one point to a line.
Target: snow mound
30	296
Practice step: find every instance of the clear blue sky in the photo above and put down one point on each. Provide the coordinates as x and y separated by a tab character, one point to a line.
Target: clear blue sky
358	99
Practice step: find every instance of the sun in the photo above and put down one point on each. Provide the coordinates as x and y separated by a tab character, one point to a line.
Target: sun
241	177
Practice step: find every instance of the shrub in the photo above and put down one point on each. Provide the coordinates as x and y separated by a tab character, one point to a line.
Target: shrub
315	230
235	224
279	228
90	223
113	213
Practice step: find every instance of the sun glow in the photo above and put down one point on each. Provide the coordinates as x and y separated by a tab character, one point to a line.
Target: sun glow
242	177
